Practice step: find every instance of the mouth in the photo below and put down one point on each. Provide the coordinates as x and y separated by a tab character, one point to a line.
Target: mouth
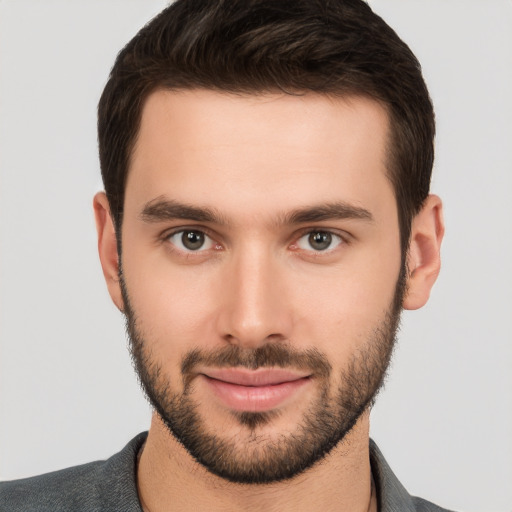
259	390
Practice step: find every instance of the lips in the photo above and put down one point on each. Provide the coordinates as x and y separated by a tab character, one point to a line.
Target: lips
254	390
260	377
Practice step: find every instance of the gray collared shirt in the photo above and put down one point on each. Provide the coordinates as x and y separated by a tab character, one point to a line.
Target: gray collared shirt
110	485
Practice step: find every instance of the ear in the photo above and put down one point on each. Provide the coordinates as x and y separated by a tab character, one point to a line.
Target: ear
107	248
423	259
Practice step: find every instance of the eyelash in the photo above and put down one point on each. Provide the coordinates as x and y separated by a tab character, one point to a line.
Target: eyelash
341	239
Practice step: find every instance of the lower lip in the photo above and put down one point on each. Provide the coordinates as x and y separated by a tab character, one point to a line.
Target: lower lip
255	398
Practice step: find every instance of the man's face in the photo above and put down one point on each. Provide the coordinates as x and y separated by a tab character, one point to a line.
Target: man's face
260	267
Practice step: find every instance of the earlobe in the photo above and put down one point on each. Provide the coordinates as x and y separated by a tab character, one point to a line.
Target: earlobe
424	260
107	248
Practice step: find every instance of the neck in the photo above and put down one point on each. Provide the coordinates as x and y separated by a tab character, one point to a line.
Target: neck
169	479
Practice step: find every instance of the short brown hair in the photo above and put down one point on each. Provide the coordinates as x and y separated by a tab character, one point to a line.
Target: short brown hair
337	47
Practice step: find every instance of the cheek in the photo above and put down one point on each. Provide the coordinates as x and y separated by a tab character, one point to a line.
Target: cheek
173	305
341	311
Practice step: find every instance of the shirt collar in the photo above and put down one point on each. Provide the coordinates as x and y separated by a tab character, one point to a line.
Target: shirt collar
392	495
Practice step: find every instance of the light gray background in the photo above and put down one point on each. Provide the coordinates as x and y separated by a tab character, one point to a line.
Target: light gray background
67	391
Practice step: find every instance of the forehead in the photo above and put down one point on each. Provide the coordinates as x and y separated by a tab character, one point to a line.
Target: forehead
213	148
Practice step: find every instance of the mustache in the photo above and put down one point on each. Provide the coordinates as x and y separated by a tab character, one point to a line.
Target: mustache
266	356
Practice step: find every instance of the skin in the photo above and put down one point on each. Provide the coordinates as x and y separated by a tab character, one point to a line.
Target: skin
254	160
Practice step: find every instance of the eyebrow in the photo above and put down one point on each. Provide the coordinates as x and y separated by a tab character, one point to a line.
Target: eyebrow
162	209
329	211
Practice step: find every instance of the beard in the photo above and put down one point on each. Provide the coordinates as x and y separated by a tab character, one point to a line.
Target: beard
260	458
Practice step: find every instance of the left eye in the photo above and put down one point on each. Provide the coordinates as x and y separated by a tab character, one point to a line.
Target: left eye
191	240
319	241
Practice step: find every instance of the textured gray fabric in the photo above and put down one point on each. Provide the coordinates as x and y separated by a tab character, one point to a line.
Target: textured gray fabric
98	486
110	486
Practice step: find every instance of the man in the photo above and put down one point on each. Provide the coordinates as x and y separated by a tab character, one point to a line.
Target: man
266	217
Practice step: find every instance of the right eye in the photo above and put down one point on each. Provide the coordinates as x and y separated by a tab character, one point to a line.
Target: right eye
191	240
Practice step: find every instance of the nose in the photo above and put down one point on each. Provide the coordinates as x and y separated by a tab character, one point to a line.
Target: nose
254	308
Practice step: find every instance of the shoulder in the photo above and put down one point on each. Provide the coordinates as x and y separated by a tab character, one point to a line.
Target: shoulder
75	488
102	485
